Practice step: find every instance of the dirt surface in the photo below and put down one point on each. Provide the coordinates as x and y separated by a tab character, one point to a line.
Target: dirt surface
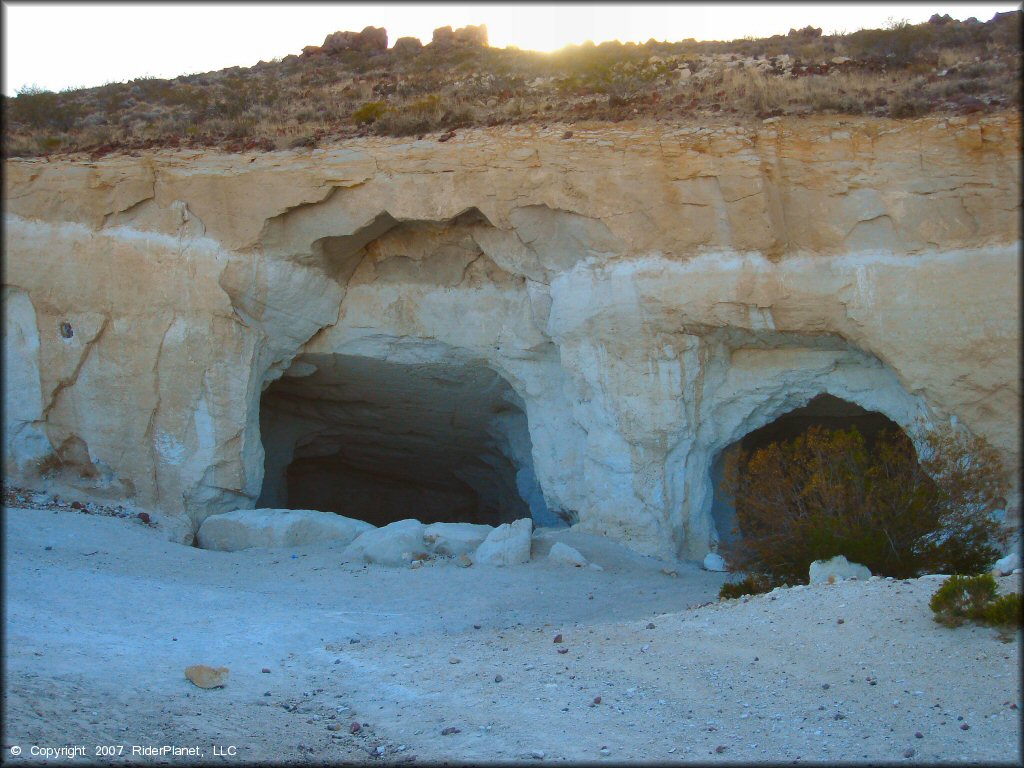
103	615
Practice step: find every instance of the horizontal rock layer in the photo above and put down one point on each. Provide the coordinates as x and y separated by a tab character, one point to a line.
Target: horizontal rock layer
509	323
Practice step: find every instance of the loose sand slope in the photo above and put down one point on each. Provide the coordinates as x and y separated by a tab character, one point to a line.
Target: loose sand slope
100	628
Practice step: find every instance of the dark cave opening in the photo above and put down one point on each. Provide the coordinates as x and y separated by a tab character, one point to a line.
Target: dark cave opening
383	441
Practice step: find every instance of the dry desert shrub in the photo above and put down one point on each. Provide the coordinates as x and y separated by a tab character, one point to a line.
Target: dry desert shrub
828	493
974	598
751	584
848	92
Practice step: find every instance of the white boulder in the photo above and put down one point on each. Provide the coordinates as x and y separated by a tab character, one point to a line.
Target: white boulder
714	562
1007	565
454	539
566	555
395	544
245	528
508	544
836	569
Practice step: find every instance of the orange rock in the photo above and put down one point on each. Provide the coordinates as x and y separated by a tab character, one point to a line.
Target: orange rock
207	677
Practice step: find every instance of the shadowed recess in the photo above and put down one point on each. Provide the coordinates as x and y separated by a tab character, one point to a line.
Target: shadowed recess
826	411
384	441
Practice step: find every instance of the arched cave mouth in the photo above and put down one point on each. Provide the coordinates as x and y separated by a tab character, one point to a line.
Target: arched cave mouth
827	411
383	441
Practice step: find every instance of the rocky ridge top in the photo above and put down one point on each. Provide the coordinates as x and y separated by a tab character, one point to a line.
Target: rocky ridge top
354	85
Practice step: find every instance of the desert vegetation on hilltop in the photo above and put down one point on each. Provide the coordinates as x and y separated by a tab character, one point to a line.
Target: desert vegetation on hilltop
353	86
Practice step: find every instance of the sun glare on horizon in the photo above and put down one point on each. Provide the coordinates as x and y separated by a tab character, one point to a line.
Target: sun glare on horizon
114	43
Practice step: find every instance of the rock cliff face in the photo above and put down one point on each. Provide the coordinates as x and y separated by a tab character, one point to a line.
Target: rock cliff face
509	323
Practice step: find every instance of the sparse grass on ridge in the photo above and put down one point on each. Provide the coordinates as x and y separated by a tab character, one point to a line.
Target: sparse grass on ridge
943	66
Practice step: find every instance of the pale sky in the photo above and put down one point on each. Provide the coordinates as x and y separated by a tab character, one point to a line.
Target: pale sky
58	46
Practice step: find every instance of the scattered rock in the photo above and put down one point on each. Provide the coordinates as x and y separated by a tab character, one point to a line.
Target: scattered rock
498	678
394	544
566	555
334	727
558	638
714	562
355	727
840	621
370	39
454	660
670	572
444	37
455	539
144	517
720	749
836	569
450	730
407	45
246	528
463	561
650	625
918	735
537	754
207	677
964	727
508	544
597	700
908	753
563	650
265	670
567	135
1007	565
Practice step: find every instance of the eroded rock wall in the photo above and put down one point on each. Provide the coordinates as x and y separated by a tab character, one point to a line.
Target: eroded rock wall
649	296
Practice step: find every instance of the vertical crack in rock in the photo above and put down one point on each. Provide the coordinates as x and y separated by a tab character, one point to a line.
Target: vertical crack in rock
71	380
154	414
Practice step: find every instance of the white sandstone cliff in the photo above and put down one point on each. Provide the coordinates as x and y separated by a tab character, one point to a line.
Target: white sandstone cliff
573	329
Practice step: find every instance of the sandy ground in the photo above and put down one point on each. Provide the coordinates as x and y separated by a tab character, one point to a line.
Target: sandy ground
102	615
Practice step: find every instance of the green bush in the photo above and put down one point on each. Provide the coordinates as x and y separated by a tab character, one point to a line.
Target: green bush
369	112
963	597
973	598
1005	611
42	109
826	493
904	105
752	584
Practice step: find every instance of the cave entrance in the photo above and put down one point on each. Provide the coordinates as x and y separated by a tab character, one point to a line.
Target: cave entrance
383	441
826	411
